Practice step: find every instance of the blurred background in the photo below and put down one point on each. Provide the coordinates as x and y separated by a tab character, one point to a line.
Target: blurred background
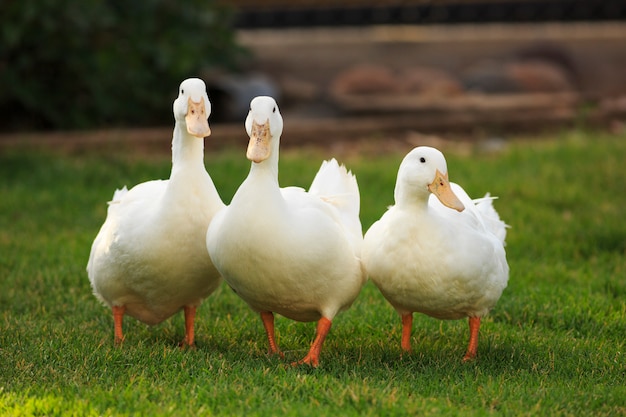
364	67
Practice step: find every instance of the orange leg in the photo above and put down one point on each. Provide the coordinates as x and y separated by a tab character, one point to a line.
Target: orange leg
190	316
118	318
313	357
268	323
407	324
472	347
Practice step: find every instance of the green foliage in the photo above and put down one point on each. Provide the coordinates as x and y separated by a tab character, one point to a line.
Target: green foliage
554	344
63	62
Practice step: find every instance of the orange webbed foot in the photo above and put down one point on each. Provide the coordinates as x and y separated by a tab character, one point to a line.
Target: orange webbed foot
268	323
118	318
407	324
190	316
472	347
313	357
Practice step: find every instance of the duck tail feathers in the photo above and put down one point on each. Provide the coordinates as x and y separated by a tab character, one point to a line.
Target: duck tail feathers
491	217
336	185
118	195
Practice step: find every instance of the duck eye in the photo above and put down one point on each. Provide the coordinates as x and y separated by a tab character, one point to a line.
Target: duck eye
422	159
274	109
182	91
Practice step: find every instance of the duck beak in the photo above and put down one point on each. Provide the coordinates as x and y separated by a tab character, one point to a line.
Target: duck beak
441	188
259	145
196	119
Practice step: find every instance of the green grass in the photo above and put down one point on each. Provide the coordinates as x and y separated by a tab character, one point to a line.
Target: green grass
554	344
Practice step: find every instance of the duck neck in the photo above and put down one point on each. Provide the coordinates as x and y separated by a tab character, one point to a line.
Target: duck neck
406	195
268	168
187	150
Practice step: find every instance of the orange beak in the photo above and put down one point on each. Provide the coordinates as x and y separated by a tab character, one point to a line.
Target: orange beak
441	188
259	145
196	119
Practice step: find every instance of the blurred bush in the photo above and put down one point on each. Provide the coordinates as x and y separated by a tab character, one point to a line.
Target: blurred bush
90	63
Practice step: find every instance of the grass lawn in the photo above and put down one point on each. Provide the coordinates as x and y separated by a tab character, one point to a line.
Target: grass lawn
554	345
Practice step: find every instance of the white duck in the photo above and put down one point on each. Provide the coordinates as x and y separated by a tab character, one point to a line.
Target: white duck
289	251
149	259
425	257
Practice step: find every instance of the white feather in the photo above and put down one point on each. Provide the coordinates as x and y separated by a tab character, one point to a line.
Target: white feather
287	250
150	254
428	258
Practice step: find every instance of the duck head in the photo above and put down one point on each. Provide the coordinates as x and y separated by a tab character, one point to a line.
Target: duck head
424	171
192	107
264	125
